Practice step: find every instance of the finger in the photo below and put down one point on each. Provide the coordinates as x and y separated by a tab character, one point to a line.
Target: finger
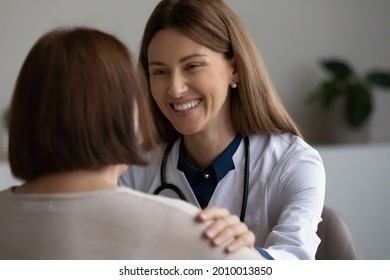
225	223
212	213
245	240
229	232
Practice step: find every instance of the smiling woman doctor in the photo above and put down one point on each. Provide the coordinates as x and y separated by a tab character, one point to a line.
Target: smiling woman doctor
228	140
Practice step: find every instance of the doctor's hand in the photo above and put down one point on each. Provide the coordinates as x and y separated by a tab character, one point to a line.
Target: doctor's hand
226	227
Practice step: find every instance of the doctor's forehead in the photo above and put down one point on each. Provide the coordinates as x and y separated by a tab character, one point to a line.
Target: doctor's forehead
170	44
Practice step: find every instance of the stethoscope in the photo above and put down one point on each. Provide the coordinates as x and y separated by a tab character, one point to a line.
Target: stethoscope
164	185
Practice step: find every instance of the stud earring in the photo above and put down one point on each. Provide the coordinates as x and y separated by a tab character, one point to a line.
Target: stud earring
233	85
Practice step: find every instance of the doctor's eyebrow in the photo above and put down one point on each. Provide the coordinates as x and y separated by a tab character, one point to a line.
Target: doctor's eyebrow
181	60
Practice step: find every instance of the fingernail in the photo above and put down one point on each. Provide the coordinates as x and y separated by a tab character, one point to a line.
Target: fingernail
230	248
202	216
210	233
217	241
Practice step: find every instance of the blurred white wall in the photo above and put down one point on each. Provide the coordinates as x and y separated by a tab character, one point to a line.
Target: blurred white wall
292	36
23	21
358	187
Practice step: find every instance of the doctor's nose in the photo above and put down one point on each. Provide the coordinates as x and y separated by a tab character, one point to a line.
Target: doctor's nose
177	85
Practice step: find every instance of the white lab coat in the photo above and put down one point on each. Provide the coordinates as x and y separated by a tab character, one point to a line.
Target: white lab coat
286	191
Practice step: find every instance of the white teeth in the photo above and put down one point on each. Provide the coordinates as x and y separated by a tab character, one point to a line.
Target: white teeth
186	106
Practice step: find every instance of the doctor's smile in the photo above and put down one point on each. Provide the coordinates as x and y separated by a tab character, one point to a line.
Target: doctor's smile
186	106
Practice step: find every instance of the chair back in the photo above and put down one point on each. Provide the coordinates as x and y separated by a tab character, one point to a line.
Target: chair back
337	242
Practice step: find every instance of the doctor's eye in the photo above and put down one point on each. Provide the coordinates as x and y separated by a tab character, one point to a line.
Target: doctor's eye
159	72
194	66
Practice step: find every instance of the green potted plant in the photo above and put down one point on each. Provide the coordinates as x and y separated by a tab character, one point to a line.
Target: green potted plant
344	81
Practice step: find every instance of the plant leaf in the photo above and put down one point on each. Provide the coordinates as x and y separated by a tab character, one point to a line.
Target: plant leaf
359	104
327	92
379	78
338	68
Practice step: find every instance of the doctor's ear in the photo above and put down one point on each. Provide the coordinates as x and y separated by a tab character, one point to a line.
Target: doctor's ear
235	75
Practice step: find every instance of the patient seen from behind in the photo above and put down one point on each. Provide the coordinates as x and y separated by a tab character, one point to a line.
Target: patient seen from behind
78	118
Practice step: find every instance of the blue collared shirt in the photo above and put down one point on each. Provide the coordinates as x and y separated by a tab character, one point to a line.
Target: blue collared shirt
204	181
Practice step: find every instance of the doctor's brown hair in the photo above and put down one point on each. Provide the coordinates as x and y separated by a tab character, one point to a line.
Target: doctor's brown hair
74	106
255	105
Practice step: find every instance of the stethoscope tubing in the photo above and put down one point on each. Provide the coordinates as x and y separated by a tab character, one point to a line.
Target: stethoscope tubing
164	185
246	180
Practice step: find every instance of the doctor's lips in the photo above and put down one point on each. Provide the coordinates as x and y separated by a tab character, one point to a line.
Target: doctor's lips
186	106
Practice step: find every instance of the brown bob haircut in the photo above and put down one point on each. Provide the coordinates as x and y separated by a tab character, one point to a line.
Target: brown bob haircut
255	105
74	106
